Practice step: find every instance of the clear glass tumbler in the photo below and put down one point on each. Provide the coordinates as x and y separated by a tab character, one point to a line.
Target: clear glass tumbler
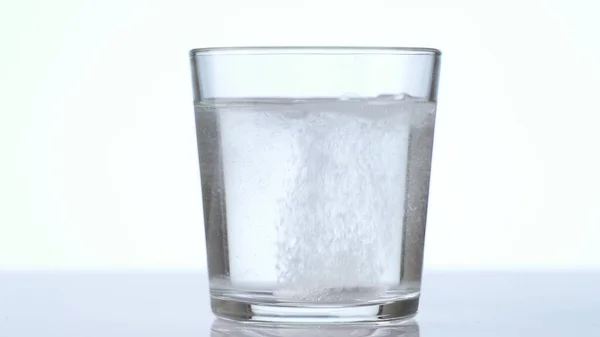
315	170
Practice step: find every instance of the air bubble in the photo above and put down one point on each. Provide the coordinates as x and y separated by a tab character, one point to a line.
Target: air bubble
349	96
396	97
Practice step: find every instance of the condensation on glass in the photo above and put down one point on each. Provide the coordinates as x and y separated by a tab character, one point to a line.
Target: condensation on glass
315	167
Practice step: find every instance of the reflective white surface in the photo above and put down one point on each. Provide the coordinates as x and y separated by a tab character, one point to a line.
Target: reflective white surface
149	304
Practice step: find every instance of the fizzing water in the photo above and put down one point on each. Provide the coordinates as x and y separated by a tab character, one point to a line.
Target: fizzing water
315	200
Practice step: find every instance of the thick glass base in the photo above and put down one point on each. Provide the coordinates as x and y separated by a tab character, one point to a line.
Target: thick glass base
392	312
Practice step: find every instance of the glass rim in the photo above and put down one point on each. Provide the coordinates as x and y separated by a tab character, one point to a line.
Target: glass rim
315	50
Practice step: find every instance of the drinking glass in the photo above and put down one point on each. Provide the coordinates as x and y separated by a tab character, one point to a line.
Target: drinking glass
315	165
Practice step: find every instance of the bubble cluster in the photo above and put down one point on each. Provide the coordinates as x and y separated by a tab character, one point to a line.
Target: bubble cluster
341	219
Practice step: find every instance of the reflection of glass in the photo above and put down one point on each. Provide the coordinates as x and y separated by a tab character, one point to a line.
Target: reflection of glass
222	328
315	174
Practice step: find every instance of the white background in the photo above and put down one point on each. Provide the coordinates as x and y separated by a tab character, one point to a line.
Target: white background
98	164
